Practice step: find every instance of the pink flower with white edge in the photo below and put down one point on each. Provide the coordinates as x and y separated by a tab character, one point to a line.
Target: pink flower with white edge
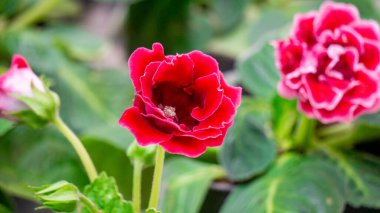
17	80
330	63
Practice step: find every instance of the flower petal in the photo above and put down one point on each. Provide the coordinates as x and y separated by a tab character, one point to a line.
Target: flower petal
371	55
144	131
234	93
187	146
333	15
220	118
208	91
203	64
178	72
140	58
302	29
367	29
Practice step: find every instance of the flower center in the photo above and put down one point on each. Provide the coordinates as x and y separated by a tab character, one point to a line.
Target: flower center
169	111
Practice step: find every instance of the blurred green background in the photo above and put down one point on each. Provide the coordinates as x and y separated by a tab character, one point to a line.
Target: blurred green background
83	48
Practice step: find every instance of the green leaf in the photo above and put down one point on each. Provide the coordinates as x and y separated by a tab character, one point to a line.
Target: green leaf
295	184
362	172
370	119
86	96
4	209
105	194
247	150
148	23
227	14
116	164
77	42
31	157
258	72
5	126
186	183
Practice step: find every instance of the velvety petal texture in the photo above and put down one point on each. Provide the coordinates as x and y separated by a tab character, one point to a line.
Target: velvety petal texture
18	80
182	102
330	63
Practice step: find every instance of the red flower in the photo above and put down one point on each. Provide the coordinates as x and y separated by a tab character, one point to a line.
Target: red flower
17	81
182	102
331	63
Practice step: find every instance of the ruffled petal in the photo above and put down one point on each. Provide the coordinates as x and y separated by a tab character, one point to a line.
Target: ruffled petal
207	90
321	95
144	131
203	64
140	59
220	118
368	29
187	146
178	72
371	55
303	28
215	142
365	91
333	15
234	93
289	55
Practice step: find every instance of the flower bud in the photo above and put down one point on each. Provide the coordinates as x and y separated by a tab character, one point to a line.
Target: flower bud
24	97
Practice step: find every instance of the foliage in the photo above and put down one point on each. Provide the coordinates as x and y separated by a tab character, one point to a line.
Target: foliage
269	163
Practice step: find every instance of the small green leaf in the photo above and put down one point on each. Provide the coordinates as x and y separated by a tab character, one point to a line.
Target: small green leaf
248	150
152	211
186	183
295	184
105	194
258	72
362	172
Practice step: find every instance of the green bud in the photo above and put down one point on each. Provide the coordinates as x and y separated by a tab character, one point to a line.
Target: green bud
144	154
61	196
43	107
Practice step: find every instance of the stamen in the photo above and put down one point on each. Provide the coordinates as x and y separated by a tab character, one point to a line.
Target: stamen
169	111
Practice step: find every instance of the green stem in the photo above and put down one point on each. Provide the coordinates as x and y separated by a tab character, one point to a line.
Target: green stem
93	208
78	146
304	132
33	15
136	197
156	184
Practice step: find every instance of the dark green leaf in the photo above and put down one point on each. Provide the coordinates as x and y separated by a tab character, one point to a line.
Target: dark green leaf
116	164
247	150
295	184
227	14
5	126
362	172
170	22
186	183
258	72
105	194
